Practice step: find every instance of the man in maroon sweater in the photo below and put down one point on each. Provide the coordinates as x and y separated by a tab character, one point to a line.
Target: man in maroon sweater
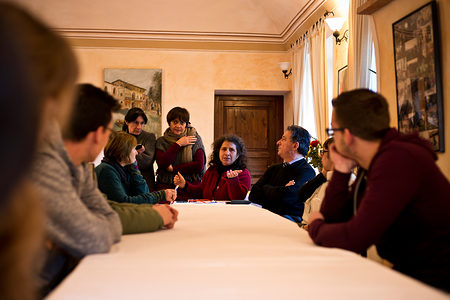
400	201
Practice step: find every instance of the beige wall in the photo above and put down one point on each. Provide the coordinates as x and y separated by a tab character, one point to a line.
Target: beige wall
190	78
383	22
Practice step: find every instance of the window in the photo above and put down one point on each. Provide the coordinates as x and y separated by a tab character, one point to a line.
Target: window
330	70
373	71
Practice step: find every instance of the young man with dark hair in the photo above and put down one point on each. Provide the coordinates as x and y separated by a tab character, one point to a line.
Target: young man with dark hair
79	219
277	189
400	200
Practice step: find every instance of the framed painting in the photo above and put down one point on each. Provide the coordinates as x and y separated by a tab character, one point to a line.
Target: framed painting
136	88
418	75
342	80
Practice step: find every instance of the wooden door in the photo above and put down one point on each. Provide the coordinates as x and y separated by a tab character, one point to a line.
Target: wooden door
258	120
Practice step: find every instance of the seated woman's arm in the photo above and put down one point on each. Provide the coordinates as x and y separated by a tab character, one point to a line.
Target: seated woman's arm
195	191
110	184
138	185
239	186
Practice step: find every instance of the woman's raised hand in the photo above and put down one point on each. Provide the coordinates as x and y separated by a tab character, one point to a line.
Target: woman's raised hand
232	174
179	180
187	140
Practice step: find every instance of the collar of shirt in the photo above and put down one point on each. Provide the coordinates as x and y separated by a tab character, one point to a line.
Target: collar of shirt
294	161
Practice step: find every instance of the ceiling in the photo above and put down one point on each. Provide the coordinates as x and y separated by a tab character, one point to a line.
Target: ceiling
261	23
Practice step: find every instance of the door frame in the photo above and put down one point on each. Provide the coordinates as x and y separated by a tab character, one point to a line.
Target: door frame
279	111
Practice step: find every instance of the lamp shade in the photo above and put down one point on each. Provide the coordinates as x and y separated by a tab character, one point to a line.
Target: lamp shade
284	66
335	23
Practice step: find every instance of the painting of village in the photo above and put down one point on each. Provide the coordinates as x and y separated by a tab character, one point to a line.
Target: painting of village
136	88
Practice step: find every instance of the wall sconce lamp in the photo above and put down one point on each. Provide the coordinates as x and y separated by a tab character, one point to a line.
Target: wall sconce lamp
335	24
284	66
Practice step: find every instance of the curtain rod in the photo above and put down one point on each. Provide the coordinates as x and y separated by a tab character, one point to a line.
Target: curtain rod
306	34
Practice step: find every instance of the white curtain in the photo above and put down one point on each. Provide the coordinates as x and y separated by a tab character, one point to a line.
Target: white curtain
303	94
362	34
319	78
298	58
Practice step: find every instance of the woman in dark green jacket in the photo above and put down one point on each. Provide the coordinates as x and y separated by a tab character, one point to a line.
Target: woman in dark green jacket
119	177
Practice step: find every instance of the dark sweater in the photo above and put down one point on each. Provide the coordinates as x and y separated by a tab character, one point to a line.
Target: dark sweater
146	159
270	190
126	186
308	188
403	208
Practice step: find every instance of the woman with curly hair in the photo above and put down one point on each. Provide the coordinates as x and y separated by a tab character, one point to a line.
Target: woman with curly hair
227	177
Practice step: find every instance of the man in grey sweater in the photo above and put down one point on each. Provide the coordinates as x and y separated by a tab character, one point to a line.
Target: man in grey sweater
79	219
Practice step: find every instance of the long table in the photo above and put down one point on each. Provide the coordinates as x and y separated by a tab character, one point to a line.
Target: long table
219	251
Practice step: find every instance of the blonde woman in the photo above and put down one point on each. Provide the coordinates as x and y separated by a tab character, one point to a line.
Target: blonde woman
119	176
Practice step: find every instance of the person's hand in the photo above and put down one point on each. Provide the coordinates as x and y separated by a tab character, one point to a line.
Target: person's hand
132	159
341	163
232	174
292	182
314	216
171	195
174	213
141	150
187	140
170	168
168	214
179	180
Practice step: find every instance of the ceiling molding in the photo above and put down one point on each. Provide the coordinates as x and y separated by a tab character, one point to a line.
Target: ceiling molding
170	35
253	41
176	45
309	9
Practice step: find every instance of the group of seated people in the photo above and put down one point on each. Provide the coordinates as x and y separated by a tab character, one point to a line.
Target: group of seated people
54	199
182	163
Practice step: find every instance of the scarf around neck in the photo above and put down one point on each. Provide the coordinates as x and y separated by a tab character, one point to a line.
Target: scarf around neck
186	152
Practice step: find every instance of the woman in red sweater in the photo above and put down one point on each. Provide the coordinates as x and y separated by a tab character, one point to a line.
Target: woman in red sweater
227	177
179	150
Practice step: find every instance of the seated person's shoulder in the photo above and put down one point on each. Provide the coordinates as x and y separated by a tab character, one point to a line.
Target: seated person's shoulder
104	169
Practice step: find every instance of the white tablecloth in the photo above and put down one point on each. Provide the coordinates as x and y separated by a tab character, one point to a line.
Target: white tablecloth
219	251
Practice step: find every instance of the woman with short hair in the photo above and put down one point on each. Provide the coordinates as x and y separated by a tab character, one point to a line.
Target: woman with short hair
119	176
179	150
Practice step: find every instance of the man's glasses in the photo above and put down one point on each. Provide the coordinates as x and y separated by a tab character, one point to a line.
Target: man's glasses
332	131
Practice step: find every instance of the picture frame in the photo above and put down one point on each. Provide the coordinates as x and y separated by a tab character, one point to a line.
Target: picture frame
140	88
418	75
342	80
